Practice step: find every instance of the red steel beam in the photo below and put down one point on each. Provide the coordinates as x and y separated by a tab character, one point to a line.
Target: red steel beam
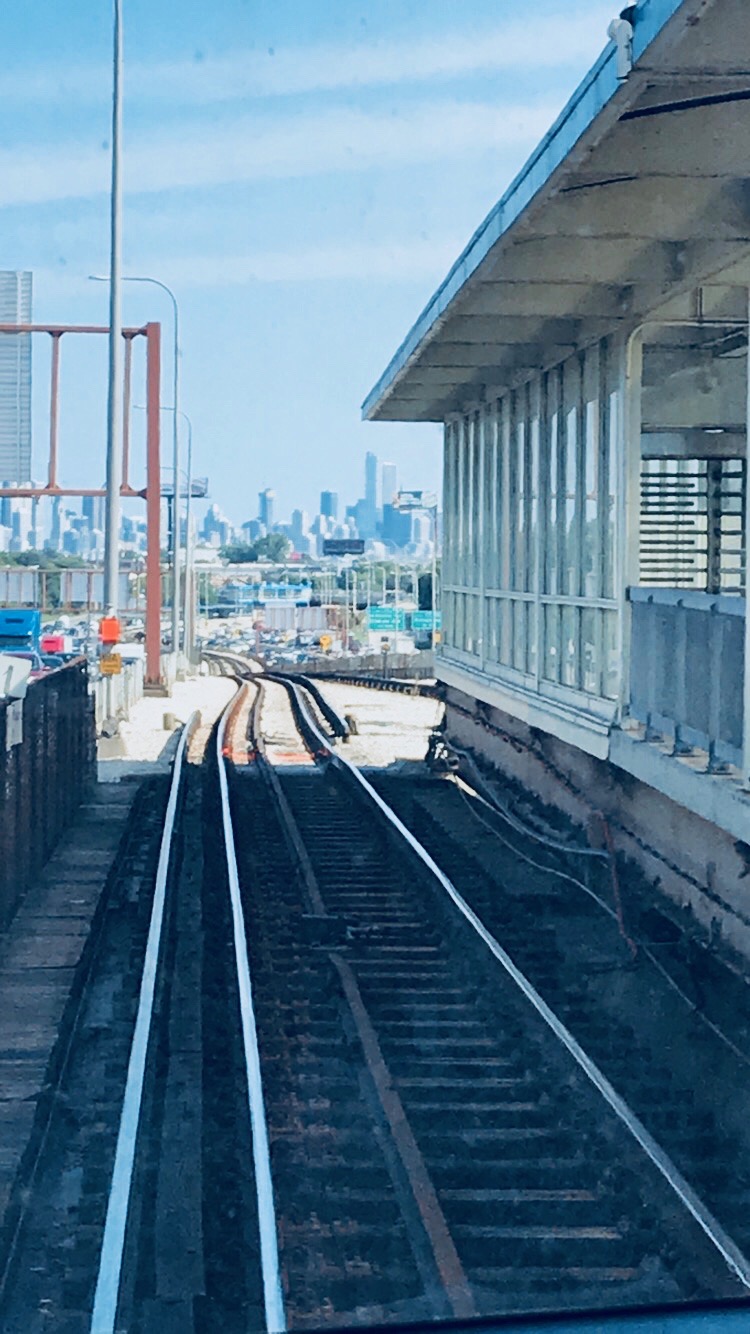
57	329
126	410
37	492
54	403
153	505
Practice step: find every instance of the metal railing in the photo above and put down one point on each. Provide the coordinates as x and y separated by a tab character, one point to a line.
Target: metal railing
115	695
47	752
687	670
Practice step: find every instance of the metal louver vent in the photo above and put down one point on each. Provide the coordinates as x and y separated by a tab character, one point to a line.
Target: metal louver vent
692	524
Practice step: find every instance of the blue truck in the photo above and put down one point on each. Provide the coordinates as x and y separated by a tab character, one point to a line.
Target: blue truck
20	628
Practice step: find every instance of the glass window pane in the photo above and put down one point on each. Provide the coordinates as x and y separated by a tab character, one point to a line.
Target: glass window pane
506	632
551	667
572	567
570	653
519	581
533	501
590	650
519	636
591	585
506	512
610	483
611	682
552	537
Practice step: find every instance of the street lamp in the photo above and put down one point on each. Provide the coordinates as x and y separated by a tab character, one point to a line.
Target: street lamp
114	439
156	282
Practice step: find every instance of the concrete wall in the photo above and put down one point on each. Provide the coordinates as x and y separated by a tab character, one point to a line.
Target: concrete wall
696	866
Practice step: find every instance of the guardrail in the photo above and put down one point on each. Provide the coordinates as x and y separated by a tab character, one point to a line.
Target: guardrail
47	757
687	670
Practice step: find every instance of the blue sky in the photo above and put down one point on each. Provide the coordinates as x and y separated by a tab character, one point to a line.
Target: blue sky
302	174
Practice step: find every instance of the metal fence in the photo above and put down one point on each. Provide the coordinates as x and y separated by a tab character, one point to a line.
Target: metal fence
687	670
47	760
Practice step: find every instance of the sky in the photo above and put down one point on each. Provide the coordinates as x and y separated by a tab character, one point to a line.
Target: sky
302	173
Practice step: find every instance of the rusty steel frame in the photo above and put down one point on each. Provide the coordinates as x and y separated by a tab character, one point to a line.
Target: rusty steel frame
151	493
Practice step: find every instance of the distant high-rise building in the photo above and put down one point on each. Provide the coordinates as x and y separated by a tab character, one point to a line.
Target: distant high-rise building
371	479
15	379
300	525
265	507
92	509
367	510
396	526
329	504
390	482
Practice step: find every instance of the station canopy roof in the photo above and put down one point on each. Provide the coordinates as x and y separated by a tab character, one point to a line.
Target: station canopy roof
640	191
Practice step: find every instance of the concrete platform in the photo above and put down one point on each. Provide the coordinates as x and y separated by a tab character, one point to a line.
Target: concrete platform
143	746
39	955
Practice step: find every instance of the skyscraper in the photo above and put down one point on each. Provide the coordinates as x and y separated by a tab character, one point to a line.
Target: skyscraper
265	507
371	481
92	509
329	504
390	482
15	379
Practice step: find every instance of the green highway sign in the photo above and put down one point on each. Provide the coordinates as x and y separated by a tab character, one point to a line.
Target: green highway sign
384	618
422	620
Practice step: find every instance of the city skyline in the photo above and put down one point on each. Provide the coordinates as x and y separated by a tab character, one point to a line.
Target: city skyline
75	526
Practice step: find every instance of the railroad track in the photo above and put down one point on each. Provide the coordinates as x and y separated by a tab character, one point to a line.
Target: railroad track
456	1152
328	1099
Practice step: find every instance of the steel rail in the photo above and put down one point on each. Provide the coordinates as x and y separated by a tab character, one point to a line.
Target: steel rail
109	1275
269	1246
736	1261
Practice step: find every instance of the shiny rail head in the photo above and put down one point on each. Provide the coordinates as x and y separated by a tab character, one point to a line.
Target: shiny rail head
106	1296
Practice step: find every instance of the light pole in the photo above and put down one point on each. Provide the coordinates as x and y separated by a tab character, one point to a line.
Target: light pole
156	282
114	437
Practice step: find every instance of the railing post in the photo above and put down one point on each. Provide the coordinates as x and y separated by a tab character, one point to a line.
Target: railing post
717	623
679	660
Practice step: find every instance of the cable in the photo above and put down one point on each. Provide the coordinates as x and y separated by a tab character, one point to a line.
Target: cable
640	946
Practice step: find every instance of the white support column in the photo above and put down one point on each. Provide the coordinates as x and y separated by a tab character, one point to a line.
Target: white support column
746	523
628	504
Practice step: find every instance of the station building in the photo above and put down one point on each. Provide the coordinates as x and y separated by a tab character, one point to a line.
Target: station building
588	356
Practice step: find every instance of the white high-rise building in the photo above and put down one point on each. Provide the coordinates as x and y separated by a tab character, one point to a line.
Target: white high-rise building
390	482
15	379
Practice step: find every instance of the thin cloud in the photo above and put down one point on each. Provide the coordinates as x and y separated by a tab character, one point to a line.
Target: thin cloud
385	261
555	40
338	141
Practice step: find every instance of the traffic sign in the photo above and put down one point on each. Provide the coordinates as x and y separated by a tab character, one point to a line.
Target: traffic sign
343	546
415	500
386	618
422	620
110	664
110	630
